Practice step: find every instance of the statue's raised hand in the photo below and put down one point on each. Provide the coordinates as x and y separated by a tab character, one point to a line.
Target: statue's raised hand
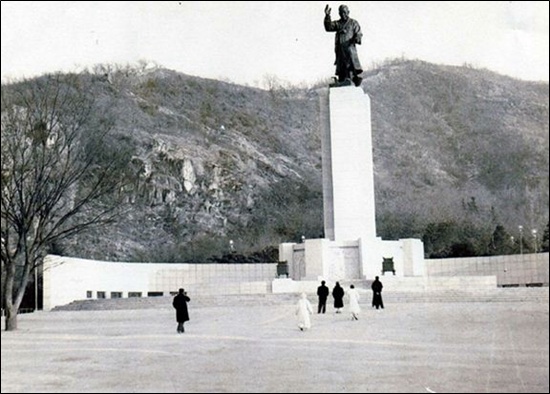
328	10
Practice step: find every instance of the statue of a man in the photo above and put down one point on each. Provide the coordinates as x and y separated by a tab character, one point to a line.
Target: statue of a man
348	33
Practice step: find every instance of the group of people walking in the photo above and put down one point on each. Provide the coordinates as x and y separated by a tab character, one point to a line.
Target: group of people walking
304	308
338	295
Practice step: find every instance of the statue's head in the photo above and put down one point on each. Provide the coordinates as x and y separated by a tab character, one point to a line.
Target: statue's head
343	10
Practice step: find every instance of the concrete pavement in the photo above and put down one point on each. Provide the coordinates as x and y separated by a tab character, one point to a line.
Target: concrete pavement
416	348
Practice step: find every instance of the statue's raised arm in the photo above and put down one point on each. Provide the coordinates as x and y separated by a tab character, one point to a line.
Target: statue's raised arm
348	34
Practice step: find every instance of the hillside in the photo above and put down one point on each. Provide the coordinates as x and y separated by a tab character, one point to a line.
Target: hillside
457	152
457	143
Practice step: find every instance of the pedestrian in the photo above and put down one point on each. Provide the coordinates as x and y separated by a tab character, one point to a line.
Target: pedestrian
180	304
322	292
354	303
377	293
338	295
303	311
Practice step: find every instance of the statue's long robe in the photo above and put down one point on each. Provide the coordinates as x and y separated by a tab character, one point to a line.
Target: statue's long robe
348	34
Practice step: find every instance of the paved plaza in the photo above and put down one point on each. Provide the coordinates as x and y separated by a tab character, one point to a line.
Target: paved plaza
417	348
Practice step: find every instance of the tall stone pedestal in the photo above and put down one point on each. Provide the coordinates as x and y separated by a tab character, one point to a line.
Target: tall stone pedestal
348	171
351	249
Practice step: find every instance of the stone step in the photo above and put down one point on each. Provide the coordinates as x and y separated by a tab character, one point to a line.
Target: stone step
537	295
158	302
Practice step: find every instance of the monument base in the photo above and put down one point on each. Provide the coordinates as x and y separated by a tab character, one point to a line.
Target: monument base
323	259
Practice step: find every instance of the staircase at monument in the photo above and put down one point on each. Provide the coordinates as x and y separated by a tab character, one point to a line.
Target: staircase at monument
518	294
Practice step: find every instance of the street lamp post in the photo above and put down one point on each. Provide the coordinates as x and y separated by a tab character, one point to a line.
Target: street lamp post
35	288
534	232
520	239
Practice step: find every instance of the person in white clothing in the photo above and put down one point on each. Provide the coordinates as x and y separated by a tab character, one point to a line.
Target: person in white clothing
303	311
354	308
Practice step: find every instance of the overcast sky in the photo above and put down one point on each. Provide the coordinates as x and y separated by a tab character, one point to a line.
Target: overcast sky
244	41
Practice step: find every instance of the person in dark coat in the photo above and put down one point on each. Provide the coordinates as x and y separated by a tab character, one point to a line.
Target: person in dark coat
180	304
322	292
377	294
338	295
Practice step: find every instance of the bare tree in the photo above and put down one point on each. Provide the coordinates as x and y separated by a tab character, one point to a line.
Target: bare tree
55	175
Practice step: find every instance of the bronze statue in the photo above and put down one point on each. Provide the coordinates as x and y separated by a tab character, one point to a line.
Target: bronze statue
348	33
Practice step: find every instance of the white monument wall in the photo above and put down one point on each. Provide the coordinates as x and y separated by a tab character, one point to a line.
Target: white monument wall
69	279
